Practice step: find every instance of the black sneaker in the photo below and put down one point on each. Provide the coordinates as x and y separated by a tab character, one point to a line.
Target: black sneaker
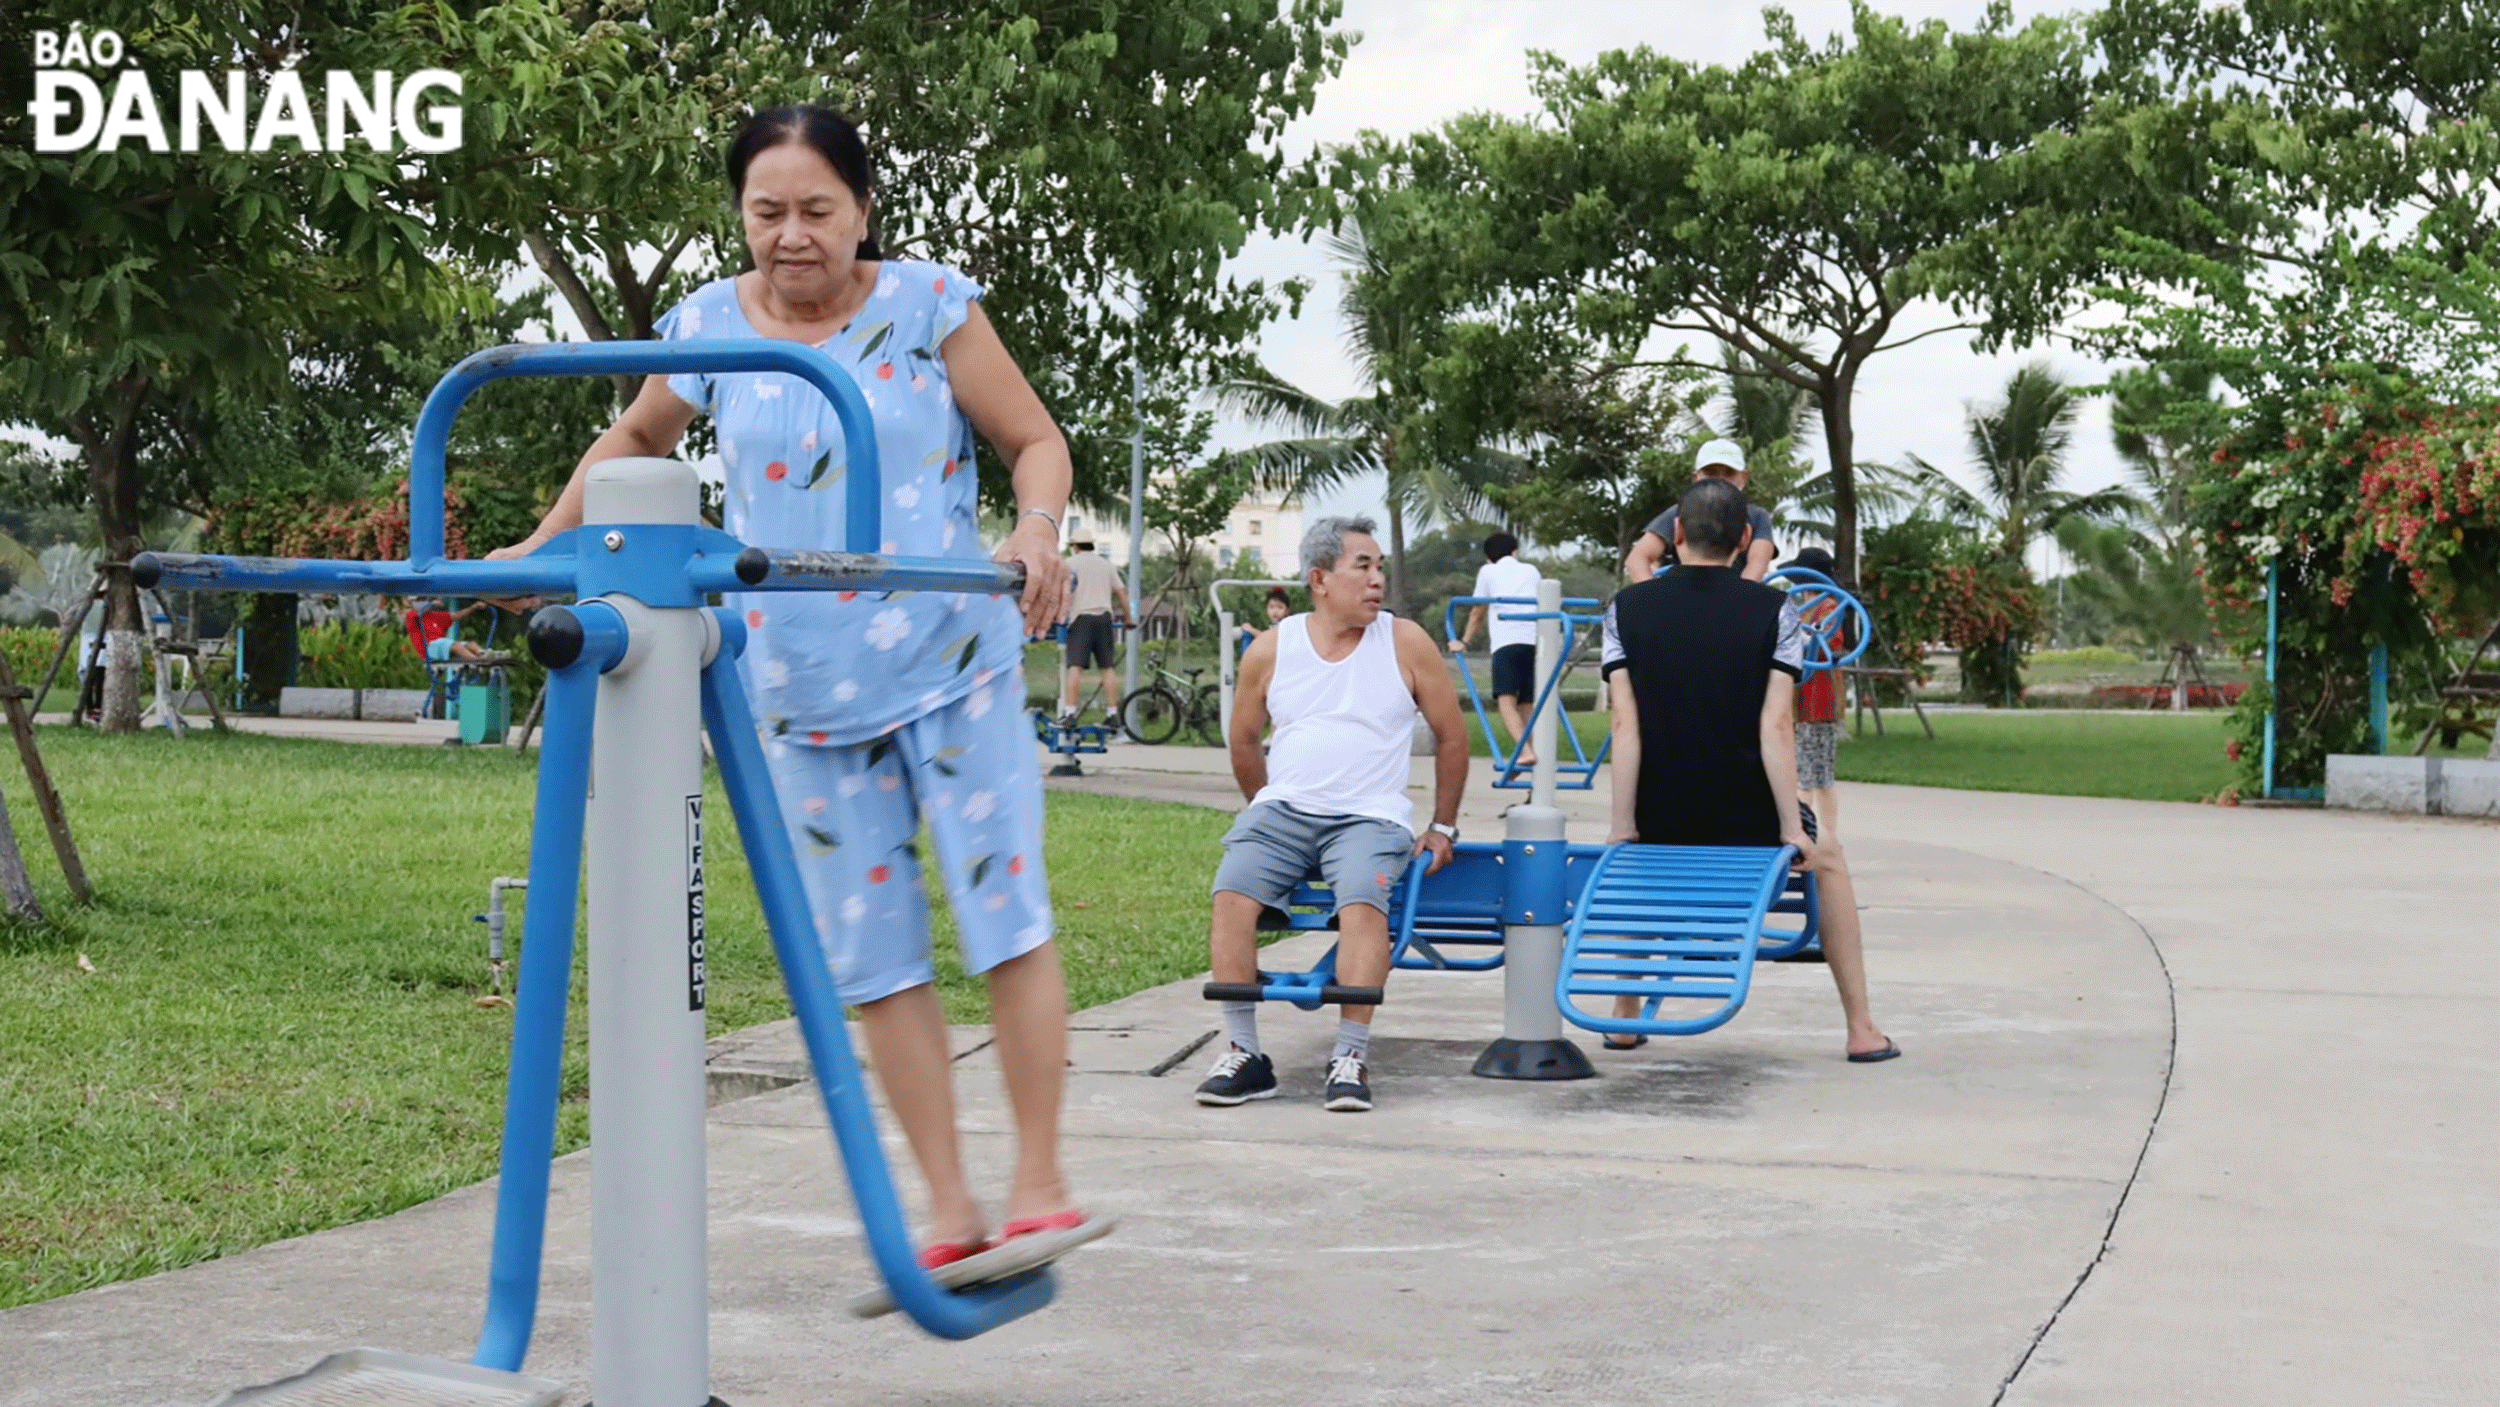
1349	1086
1238	1077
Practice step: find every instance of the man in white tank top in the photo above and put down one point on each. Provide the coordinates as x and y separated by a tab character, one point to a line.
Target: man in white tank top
1328	794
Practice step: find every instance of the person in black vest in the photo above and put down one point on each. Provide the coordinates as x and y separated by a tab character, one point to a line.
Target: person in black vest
1701	669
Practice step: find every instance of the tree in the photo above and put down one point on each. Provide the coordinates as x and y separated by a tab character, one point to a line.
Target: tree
1091	165
1930	580
2150	590
2362	137
1190	505
138	288
1796	207
1604	456
2019	446
2356	328
2164	421
1331	443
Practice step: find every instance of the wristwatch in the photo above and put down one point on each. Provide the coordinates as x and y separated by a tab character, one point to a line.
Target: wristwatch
1440	829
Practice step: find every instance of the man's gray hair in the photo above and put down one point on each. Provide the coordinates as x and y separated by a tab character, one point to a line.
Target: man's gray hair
1323	542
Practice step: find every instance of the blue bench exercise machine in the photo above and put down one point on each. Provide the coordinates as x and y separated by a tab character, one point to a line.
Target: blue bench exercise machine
641	664
1677	929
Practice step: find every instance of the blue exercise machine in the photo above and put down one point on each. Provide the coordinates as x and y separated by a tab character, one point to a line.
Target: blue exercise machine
1838	628
642	665
1070	738
1676	929
1575	614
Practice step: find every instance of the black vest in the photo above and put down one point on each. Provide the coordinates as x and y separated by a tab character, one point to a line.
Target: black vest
1698	643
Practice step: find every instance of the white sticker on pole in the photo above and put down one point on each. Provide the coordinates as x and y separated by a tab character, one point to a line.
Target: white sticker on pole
694	902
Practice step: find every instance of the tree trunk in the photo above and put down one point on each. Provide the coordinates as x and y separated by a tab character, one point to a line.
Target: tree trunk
1397	557
113	478
1840	443
269	648
2182	657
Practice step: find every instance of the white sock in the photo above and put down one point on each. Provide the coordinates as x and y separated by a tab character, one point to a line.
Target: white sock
1353	1038
1241	1025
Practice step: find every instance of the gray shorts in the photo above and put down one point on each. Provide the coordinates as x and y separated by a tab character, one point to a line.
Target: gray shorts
1818	752
1272	847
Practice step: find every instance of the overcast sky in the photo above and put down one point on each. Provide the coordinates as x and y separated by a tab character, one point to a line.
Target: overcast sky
1422	62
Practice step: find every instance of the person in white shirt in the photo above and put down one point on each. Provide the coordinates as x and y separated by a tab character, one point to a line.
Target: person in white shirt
1513	641
1342	685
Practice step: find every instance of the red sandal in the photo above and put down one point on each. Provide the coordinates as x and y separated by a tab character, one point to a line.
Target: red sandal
946	1253
1068	1220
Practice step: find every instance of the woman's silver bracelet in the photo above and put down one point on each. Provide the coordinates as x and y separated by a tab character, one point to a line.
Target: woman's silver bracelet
1045	513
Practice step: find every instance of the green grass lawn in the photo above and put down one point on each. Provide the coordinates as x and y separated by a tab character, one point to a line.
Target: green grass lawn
280	1031
2148	756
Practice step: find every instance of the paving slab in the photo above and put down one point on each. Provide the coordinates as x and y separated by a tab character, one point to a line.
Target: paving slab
2031	1207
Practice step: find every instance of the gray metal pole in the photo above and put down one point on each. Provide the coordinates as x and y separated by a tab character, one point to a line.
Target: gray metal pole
1548	724
644	835
1532	1045
1136	516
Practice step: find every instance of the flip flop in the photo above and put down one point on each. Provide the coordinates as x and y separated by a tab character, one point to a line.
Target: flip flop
1869	1057
1633	1044
1023	1246
946	1253
1067	1220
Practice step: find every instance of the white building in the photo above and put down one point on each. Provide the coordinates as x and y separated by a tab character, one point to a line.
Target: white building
1271	528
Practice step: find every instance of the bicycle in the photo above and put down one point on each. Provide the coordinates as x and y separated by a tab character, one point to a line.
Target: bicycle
1158	711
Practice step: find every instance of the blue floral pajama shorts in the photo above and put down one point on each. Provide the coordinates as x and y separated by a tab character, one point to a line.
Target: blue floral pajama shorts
970	771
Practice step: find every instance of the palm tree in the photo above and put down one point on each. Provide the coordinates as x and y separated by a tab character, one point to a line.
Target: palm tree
2164	420
1327	444
2019	447
1774	420
1769	417
2150	588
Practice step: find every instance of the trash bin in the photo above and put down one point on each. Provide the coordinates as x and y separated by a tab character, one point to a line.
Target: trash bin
485	706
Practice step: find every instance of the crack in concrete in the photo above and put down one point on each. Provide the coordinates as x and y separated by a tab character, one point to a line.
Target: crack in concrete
2169	1072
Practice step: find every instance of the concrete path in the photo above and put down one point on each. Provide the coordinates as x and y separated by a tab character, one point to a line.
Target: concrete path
2195	1110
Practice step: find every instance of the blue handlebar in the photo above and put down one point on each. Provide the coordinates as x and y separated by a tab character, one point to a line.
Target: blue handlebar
425	456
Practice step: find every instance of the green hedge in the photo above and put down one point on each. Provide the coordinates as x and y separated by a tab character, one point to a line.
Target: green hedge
350	655
29	648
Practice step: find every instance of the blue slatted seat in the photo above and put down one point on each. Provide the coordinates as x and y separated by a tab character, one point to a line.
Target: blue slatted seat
1663	924
1455	921
1783	941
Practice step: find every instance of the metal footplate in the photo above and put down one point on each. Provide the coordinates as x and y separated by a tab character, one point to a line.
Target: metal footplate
372	1377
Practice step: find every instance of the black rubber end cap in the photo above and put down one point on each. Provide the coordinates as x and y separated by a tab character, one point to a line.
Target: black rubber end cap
556	637
754	564
147	571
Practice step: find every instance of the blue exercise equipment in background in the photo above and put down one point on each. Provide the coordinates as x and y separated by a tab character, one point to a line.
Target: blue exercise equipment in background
1578	613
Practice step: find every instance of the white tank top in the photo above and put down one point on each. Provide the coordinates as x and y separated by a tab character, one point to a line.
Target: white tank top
1344	730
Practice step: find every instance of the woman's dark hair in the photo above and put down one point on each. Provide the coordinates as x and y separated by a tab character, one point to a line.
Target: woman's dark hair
830	134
